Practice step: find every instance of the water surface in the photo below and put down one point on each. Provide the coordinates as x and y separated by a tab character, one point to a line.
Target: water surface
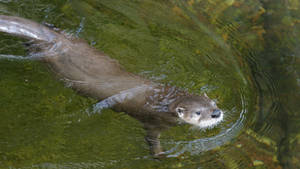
243	54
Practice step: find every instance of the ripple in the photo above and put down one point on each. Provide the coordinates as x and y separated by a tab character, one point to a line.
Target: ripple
198	146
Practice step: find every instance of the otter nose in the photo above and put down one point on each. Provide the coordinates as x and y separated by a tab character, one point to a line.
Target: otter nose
216	113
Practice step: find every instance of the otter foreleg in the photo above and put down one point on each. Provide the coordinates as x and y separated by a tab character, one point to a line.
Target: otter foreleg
104	104
111	101
152	138
117	99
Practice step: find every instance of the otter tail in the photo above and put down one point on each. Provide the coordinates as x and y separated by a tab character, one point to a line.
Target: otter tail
26	29
29	30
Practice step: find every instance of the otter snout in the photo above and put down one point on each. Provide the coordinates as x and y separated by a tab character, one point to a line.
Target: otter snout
216	113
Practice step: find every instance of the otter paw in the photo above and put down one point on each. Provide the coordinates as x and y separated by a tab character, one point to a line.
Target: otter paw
98	107
160	155
94	109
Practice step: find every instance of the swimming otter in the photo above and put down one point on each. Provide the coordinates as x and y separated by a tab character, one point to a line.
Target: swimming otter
95	74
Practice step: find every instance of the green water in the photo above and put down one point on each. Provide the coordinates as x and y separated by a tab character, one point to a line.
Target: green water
244	54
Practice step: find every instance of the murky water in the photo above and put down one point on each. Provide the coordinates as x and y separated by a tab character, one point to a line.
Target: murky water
244	54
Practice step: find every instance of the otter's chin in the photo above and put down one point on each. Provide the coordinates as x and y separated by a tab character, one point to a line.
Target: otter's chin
210	123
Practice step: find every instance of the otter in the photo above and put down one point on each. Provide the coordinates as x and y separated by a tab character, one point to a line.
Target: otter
92	73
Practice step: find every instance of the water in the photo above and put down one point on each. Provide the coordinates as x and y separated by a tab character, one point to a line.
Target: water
244	54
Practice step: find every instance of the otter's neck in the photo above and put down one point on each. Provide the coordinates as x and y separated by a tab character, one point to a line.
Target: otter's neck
162	96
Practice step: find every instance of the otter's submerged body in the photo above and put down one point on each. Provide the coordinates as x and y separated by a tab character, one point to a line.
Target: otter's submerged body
94	74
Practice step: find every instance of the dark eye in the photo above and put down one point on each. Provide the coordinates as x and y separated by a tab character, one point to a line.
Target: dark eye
198	113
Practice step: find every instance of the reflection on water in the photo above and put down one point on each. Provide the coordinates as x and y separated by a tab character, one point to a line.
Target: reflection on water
244	54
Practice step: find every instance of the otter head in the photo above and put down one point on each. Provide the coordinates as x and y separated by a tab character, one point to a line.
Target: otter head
197	110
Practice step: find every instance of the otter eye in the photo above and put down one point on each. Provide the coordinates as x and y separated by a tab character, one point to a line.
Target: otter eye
198	113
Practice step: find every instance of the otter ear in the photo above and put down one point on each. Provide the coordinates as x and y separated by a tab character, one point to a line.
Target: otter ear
180	111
